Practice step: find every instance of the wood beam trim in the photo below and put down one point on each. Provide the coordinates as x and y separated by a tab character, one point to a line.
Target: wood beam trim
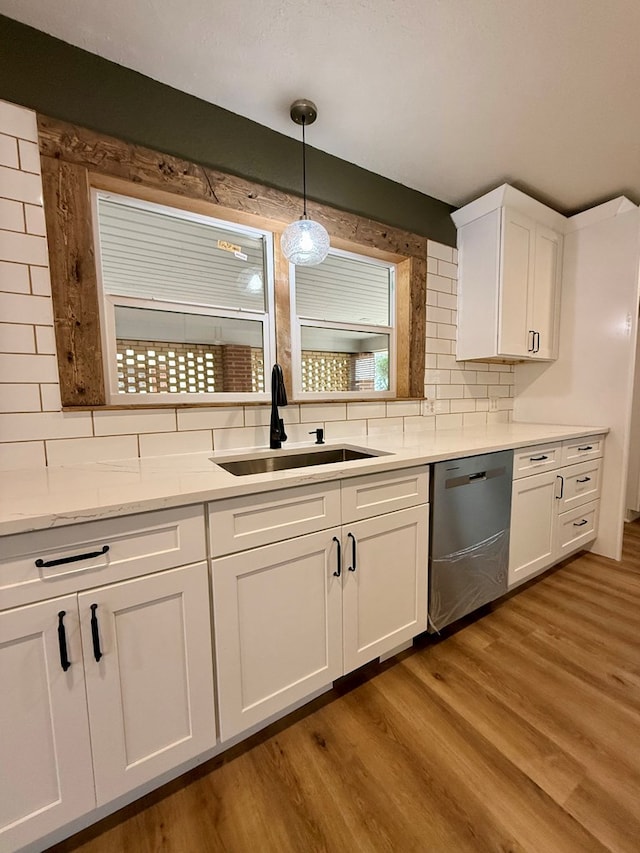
74	287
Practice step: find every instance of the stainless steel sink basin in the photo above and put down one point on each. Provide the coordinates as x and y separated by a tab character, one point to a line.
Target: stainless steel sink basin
283	462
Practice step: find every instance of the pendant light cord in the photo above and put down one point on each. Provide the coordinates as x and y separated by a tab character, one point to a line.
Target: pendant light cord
304	172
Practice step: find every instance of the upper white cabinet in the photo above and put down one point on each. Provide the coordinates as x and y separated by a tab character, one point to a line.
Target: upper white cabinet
509	265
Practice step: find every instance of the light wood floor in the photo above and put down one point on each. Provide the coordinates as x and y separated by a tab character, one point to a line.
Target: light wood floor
520	731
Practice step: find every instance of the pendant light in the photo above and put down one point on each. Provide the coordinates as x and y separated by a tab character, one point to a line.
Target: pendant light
305	242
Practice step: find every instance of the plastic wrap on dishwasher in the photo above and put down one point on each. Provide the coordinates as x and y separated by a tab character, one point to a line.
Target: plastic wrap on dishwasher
474	576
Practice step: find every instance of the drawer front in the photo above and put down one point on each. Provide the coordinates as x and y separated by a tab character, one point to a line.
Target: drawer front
236	524
535	459
373	494
576	450
136	545
574	529
581	484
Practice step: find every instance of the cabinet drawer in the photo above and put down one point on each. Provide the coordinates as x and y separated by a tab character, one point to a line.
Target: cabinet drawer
236	524
534	459
584	448
581	484
373	494
137	545
575	528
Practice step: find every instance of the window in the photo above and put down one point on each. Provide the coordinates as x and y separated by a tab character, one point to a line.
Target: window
343	335
186	301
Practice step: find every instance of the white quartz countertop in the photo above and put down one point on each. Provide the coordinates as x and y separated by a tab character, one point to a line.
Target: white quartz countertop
53	497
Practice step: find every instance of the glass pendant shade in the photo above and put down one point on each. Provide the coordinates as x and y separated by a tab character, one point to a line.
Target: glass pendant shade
305	242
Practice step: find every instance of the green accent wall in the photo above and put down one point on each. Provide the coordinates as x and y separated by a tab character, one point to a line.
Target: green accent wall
65	82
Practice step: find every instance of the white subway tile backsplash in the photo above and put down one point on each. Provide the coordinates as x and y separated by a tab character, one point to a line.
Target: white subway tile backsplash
28	368
439	250
22	248
29	156
17	455
439	315
20	186
165	443
497	417
447	269
447	333
420	424
50	396
449	392
301	433
41	425
449	421
19	398
34	218
141	421
498	390
446	300
474	419
235	439
8	151
14	278
18	307
475	390
377	426
15	337
45	339
323	412
457	406
223	417
18	121
358	411
72	451
345	429
11	215
439	283
403	408
40	281
436	345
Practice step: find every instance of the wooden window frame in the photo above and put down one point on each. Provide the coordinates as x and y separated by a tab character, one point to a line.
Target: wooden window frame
76	160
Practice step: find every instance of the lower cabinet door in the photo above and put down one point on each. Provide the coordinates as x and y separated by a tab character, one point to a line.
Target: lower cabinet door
45	755
533	512
384	584
576	528
277	614
149	675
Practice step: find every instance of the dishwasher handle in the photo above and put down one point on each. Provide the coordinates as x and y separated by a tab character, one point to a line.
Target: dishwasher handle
477	476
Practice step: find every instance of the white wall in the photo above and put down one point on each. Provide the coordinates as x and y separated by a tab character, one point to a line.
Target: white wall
591	383
35	432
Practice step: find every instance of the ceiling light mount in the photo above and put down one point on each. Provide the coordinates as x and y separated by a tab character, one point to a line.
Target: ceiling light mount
305	242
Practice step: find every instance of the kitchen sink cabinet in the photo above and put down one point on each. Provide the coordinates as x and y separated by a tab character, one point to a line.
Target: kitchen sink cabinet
509	267
553	513
292	616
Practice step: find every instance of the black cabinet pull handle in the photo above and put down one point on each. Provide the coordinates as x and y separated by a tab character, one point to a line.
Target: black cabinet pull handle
95	636
537	458
65	663
580	523
354	545
338	571
533	341
584	480
537	342
585	448
46	564
561	495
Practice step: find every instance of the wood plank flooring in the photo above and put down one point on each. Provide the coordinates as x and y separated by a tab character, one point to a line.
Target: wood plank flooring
518	731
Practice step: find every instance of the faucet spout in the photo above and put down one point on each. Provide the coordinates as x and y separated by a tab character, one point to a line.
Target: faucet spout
278	398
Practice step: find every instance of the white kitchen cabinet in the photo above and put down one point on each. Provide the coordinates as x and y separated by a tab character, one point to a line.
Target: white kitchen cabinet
150	694
278	624
384	583
45	753
509	266
553	513
292	616
533	515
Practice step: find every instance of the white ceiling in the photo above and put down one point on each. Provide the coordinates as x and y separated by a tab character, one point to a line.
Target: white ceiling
450	97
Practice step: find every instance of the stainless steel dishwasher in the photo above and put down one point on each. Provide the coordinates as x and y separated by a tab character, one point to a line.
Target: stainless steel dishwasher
469	534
